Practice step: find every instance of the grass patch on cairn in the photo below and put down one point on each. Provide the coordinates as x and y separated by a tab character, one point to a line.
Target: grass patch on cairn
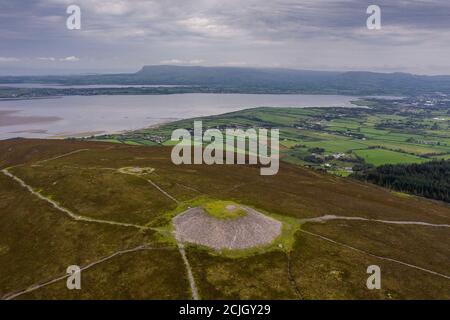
223	209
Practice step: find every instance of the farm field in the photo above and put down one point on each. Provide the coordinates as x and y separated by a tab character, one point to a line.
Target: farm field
380	157
109	207
337	140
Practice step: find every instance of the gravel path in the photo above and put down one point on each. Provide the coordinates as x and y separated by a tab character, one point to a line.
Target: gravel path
333	217
87	219
67	211
62	156
37	286
376	256
190	275
162	191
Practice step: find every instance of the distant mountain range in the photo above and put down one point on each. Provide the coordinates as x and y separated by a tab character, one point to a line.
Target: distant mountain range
272	80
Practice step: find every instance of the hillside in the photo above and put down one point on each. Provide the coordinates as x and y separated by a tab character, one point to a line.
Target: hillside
430	180
108	207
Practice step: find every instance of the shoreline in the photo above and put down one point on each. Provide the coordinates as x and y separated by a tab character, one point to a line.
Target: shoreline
212	104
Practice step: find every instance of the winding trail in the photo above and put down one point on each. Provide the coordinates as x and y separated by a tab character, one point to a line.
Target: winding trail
162	191
181	249
376	256
37	286
189	188
62	155
291	279
333	217
76	217
190	275
67	211
180	245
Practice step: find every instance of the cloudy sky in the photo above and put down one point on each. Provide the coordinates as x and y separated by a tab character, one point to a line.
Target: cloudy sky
120	35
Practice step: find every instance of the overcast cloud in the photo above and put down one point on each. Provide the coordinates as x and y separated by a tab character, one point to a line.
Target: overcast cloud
119	35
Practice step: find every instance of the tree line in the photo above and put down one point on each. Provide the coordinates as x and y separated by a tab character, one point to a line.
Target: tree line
430	179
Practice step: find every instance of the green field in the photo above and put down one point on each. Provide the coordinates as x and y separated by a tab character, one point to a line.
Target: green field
336	146
348	136
379	157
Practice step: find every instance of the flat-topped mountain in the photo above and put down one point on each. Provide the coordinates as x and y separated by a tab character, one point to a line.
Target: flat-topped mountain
272	80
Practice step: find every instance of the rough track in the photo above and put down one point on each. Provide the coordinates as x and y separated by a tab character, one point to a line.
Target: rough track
376	256
67	211
87	219
62	155
333	217
190	275
37	286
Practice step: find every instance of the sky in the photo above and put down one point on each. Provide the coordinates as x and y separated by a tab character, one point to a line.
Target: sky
122	36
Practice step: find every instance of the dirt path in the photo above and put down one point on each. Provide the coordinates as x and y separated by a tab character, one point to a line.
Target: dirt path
162	191
333	217
376	256
88	168
62	155
37	286
181	249
87	219
190	275
291	278
189	188
67	211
